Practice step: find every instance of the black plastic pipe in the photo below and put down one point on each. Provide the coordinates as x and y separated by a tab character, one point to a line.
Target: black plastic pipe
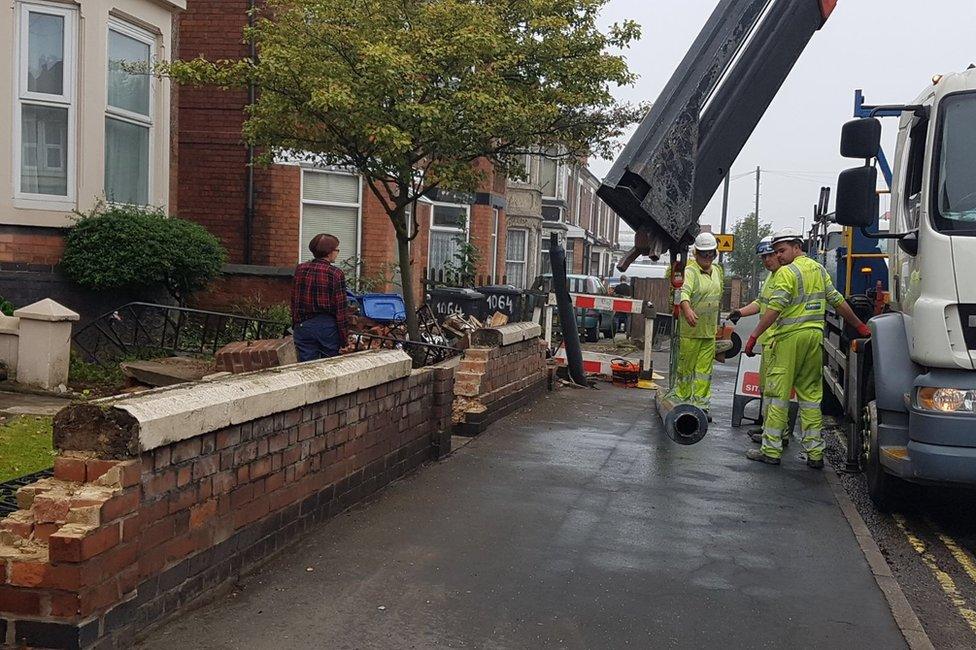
567	317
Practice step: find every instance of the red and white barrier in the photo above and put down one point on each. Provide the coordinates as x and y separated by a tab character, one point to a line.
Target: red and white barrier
594	362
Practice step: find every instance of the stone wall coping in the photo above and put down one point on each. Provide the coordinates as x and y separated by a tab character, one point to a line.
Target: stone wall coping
9	325
506	334
171	414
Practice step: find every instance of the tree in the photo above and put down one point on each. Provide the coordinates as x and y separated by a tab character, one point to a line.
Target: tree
742	260
123	246
411	94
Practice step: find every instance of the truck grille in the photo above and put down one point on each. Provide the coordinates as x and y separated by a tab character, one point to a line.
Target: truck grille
968	315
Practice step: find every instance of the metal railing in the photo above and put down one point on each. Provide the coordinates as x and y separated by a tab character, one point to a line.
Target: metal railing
8	490
139	327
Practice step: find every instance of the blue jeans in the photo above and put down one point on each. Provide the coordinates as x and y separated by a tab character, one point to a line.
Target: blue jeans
317	338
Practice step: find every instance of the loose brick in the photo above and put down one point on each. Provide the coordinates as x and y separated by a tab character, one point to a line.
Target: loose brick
49	508
75	543
96	467
70	469
121	505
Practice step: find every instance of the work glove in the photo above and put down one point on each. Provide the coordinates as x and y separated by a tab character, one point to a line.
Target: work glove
750	344
735	316
864	331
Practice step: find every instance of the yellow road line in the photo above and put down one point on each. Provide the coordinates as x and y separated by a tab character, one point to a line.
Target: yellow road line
945	581
961	555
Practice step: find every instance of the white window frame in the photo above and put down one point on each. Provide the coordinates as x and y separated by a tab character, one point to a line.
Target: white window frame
433	228
561	178
496	217
122	115
302	201
66	100
525	257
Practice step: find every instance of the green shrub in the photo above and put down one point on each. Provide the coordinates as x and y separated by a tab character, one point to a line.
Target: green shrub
127	247
6	307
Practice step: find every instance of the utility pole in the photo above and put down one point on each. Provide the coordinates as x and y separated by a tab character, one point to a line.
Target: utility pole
725	210
755	267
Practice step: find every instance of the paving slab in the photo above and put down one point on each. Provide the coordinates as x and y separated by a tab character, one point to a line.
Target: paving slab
12	403
574	523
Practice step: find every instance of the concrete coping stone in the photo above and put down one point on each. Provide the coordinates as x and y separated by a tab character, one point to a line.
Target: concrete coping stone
171	414
46	310
506	335
9	325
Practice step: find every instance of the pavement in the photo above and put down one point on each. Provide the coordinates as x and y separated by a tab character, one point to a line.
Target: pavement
574	523
14	403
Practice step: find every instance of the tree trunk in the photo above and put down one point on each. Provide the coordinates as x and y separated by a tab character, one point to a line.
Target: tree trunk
407	282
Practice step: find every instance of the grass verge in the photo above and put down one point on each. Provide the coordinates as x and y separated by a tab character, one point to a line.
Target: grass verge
25	446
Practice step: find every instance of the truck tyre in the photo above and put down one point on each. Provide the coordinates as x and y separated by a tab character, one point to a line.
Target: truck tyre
882	486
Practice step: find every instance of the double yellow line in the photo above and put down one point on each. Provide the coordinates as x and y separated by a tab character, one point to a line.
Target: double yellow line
946	583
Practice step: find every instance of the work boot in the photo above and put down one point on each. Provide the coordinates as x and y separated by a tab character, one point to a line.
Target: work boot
757	455
815	463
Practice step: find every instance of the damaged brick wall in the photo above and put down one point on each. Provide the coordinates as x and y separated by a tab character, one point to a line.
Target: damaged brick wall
503	367
109	546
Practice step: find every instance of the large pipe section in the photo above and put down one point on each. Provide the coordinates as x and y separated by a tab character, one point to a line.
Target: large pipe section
567	316
684	423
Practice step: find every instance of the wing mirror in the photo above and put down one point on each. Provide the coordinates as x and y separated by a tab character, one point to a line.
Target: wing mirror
857	197
861	138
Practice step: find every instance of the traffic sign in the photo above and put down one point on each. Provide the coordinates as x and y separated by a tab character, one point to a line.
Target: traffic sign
726	243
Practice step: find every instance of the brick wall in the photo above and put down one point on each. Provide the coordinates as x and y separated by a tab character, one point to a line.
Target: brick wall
501	364
160	499
232	290
23	246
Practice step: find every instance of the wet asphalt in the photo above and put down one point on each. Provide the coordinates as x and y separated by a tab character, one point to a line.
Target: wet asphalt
573	523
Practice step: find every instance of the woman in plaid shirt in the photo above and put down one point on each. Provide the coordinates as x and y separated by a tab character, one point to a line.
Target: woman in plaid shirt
318	302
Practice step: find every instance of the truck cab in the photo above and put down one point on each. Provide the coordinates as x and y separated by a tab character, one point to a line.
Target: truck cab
911	390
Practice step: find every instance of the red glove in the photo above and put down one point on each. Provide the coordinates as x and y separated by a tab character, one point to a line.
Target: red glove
750	344
864	331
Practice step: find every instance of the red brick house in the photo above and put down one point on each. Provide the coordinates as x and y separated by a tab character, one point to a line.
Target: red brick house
265	216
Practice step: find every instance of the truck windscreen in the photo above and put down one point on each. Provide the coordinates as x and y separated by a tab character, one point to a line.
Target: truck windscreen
955	182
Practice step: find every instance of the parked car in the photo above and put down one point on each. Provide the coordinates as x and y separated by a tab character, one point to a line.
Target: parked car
591	321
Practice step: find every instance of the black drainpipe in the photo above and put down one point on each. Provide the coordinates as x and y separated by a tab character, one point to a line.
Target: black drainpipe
249	209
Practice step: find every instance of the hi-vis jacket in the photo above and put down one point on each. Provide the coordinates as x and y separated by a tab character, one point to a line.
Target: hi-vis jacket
800	293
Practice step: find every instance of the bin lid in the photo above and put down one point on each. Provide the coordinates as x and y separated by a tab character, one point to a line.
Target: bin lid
457	293
506	289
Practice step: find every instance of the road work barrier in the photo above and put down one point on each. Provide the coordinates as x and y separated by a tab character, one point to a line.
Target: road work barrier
160	499
595	362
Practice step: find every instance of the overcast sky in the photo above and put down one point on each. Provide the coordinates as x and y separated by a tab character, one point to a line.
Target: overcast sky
889	48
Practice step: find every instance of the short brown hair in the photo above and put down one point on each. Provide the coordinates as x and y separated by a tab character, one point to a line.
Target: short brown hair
323	244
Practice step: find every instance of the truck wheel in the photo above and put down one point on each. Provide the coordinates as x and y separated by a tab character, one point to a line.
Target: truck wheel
882	486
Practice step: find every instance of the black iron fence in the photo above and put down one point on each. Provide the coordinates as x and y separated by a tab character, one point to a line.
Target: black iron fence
138	328
8	490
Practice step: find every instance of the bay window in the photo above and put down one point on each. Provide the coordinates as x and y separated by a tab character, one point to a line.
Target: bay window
128	115
516	254
45	112
448	230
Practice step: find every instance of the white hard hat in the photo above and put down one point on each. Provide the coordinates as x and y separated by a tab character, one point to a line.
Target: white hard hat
706	242
787	234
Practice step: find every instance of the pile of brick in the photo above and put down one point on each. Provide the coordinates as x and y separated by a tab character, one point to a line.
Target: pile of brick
246	356
71	548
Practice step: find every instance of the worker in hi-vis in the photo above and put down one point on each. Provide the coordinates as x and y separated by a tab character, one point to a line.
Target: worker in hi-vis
699	300
765	252
798	297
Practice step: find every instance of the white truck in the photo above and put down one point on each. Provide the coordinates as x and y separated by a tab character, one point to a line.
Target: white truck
910	391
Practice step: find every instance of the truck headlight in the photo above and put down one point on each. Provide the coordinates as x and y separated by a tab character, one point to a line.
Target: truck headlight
946	400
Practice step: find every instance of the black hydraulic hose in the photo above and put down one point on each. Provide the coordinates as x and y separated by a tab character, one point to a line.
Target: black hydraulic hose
567	318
